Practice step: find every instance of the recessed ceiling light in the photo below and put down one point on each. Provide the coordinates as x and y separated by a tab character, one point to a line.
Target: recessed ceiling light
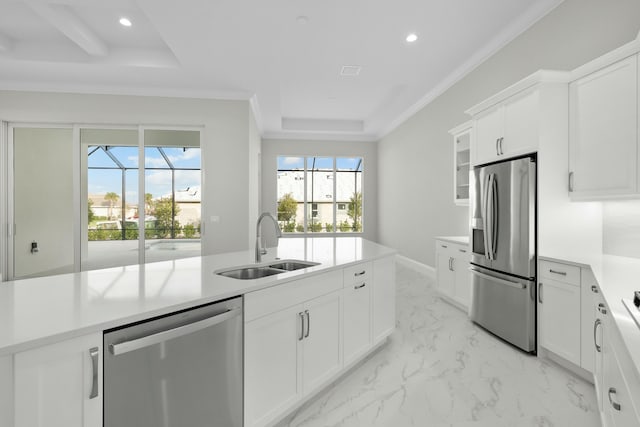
302	19
125	22
411	38
350	70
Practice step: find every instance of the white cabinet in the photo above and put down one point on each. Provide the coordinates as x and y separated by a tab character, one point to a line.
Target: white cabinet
6	391
603	133
559	310
384	298
452	272
293	343
299	336
357	313
321	346
618	406
272	383
60	385
462	136
600	326
508	128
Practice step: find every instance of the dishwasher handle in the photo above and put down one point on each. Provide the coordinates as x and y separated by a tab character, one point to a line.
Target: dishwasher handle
149	340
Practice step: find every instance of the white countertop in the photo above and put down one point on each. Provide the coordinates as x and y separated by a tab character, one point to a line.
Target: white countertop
39	311
618	277
464	240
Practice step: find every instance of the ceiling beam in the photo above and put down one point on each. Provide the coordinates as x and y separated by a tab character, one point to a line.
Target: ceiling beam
62	18
5	43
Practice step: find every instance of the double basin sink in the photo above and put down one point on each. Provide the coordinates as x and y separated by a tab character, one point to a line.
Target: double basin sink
258	271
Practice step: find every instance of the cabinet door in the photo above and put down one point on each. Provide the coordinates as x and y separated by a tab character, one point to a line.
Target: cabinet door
603	115
445	276
619	410
521	124
462	281
384	298
60	385
322	344
6	391
488	128
357	320
599	343
560	319
271	360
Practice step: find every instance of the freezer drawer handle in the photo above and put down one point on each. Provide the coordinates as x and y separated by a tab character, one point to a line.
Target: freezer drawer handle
127	346
498	280
301	336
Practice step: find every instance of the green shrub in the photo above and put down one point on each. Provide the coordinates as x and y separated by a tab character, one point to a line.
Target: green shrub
328	227
300	228
289	227
345	226
131	234
315	227
189	231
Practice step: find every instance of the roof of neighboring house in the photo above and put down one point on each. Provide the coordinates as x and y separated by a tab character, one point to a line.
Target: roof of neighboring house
293	182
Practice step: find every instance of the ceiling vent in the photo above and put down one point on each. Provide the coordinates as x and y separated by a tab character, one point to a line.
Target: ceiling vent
350	70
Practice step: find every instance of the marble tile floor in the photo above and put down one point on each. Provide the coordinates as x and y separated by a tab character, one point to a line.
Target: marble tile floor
438	369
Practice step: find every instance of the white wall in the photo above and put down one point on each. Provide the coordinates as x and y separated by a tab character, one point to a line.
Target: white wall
225	145
253	194
415	181
272	148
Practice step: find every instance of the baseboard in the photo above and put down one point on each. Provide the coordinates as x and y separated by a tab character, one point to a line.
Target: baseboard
559	360
418	266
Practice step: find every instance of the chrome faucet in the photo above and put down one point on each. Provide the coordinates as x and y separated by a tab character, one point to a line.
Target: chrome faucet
259	249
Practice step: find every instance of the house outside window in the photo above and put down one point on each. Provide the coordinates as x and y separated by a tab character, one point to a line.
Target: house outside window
320	194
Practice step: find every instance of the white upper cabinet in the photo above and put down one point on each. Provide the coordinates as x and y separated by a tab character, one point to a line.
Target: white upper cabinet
603	133
508	128
461	162
512	122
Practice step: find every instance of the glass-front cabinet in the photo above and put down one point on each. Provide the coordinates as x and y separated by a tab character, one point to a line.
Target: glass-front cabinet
461	162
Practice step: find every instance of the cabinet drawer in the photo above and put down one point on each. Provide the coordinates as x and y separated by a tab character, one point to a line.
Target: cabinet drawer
270	300
560	272
358	273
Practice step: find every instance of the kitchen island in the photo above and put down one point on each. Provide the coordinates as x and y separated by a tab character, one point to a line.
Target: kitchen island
40	312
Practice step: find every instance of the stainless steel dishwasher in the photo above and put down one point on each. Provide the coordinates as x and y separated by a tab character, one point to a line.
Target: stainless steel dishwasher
179	370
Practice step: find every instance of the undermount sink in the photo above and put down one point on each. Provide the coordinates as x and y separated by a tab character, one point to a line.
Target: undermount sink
258	271
291	265
248	273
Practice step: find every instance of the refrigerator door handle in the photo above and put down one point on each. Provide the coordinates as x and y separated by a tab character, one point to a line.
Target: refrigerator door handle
498	280
494	216
485	213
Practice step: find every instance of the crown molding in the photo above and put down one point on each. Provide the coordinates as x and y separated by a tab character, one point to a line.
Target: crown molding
536	12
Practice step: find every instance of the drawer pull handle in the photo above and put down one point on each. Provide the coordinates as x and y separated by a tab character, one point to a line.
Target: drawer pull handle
301	315
562	273
361	273
94	354
306	313
444	246
615	405
597	323
360	286
602	308
594	289
464	251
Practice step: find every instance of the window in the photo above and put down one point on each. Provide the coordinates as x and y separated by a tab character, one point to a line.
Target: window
319	194
171	202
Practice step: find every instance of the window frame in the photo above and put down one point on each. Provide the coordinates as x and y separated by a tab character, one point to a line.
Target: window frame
307	208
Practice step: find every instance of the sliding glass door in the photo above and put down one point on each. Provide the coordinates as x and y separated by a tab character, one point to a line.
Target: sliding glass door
83	198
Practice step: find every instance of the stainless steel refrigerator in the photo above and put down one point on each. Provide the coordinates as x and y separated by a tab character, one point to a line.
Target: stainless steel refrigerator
503	258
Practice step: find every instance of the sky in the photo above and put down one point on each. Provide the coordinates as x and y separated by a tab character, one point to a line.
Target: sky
342	163
157	181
